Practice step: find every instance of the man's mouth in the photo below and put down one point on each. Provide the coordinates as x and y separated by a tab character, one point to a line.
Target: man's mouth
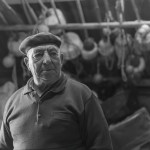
46	70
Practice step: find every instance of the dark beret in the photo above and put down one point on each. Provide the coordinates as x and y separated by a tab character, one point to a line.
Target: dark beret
42	38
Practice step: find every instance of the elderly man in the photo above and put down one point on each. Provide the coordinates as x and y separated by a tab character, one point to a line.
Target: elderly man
52	111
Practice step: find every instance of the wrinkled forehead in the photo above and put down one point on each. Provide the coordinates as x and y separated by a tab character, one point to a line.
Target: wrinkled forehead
40	48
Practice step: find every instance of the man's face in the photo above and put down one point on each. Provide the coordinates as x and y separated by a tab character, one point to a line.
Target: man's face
45	63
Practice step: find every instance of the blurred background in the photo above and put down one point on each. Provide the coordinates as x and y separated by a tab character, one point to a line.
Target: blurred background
106	45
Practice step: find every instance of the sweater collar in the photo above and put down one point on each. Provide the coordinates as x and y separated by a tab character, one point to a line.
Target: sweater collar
57	87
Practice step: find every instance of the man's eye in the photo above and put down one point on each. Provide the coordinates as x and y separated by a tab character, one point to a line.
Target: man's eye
38	55
53	54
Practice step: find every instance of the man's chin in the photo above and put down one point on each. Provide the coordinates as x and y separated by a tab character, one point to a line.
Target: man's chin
49	78
47	71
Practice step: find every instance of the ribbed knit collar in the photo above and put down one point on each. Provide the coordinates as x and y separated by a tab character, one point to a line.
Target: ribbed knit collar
55	88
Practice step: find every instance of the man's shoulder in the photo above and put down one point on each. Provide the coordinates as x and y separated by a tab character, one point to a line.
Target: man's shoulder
79	87
18	92
13	100
77	84
15	96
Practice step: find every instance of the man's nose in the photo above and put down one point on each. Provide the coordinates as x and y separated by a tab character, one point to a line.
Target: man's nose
46	57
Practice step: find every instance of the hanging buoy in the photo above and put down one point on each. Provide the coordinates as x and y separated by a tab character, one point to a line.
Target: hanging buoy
141	32
43	28
90	49
106	31
97	78
71	45
48	17
9	61
135	64
106	49
14	42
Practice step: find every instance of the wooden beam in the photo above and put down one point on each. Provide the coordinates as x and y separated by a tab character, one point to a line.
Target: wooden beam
14	2
77	26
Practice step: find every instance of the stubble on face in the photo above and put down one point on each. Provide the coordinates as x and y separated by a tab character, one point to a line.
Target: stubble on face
44	73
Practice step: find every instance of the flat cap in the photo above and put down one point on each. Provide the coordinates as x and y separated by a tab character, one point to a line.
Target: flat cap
42	38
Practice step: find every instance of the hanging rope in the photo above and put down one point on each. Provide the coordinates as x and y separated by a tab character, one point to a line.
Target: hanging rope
81	16
55	11
136	11
108	14
120	11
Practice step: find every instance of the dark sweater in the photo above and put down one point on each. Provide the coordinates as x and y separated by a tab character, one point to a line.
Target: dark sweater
66	117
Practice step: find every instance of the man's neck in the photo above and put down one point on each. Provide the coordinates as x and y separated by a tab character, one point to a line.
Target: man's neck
41	88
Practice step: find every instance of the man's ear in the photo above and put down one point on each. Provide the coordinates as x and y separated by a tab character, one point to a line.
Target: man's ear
26	61
62	58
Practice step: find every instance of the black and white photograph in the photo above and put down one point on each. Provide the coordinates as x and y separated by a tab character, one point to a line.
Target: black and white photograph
74	74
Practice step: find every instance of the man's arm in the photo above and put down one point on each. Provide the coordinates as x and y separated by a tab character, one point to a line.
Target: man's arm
96	129
6	142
